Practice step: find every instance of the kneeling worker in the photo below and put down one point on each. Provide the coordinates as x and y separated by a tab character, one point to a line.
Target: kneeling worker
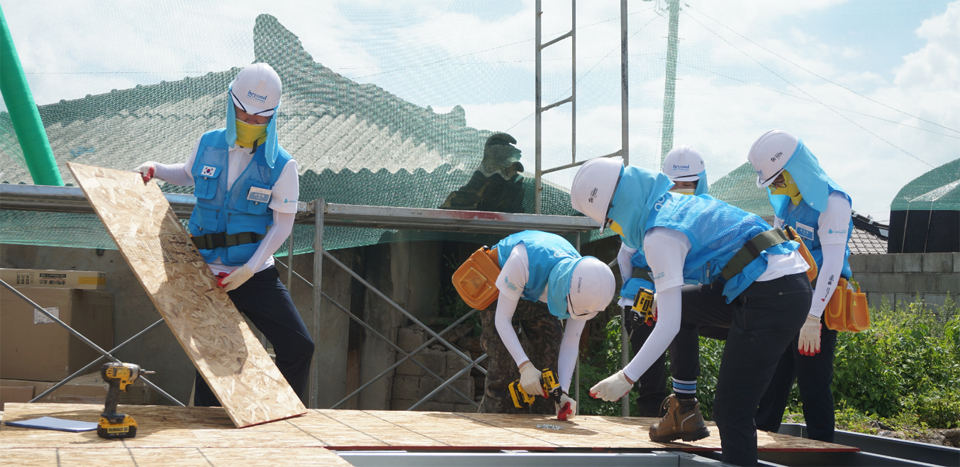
542	280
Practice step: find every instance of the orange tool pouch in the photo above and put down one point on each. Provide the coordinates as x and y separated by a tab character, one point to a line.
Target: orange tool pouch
804	252
847	309
476	279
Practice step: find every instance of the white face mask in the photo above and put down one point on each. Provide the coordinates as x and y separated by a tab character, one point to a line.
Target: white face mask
684	191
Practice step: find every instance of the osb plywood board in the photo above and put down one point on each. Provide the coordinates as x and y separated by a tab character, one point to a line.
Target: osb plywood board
201	315
166	427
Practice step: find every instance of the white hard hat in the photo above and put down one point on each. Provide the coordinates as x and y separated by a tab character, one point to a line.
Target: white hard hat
683	164
770	153
591	289
594	186
256	90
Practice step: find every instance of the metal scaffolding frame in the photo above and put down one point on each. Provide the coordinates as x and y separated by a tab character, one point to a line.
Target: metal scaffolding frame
321	214
78	335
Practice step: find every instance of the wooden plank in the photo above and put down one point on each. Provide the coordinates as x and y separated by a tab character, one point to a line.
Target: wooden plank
166	427
200	314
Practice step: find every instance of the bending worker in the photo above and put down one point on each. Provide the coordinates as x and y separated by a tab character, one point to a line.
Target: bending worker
246	183
686	169
754	284
806	199
543	279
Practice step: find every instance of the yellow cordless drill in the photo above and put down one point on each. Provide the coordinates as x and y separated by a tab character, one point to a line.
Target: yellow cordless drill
642	309
115	425
548	379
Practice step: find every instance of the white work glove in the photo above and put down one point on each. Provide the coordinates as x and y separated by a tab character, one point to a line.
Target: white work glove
809	344
530	379
567	408
237	277
147	170
612	388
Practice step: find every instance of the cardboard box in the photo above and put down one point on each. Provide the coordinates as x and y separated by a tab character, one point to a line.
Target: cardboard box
35	348
68	279
86	389
15	394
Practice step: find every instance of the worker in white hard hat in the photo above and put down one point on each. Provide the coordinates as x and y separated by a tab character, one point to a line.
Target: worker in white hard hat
247	188
754	283
805	198
543	279
686	169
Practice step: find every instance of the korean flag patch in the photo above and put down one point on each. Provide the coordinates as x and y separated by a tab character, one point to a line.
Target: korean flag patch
208	171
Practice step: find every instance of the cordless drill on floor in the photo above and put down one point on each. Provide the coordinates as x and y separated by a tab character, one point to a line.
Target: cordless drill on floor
115	425
548	379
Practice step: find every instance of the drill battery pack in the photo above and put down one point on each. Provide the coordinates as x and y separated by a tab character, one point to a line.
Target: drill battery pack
125	427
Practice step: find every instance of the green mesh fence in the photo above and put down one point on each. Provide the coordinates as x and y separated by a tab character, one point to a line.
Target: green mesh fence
387	110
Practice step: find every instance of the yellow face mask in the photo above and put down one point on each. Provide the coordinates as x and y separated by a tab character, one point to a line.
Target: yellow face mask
790	189
247	134
684	191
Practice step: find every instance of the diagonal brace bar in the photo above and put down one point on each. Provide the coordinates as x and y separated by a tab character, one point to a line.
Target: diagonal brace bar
89	365
85	340
447	382
406	355
398	307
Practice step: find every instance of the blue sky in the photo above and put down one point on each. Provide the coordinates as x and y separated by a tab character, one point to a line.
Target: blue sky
871	86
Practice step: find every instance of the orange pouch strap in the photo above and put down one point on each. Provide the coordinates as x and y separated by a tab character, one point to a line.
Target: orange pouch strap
804	252
476	278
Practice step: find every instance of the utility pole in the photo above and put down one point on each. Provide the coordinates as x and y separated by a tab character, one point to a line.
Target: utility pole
670	88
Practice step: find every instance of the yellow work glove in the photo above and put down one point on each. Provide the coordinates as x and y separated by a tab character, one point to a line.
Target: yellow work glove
809	344
612	388
237	278
567	408
530	379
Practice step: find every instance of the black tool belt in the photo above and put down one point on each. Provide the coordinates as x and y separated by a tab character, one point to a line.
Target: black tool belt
751	250
222	239
642	274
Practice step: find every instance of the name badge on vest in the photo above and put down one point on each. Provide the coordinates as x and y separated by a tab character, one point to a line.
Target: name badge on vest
258	195
805	231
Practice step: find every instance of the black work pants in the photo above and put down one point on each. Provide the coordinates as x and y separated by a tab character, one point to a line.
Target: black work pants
762	321
267	303
814	376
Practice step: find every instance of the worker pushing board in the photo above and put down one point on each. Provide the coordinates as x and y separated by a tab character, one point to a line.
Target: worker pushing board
200	314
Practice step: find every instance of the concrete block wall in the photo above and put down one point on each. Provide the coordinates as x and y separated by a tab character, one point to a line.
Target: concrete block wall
411	382
903	277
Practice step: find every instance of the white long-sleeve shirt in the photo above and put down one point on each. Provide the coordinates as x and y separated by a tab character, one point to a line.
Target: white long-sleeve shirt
513	277
832	228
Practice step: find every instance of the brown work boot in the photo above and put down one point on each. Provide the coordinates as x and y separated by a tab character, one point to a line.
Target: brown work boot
682	421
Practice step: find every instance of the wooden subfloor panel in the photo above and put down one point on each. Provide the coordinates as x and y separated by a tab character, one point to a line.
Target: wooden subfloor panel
174	431
201	315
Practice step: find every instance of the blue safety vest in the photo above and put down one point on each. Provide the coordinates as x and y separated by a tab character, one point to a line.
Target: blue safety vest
805	220
544	251
716	231
242	208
